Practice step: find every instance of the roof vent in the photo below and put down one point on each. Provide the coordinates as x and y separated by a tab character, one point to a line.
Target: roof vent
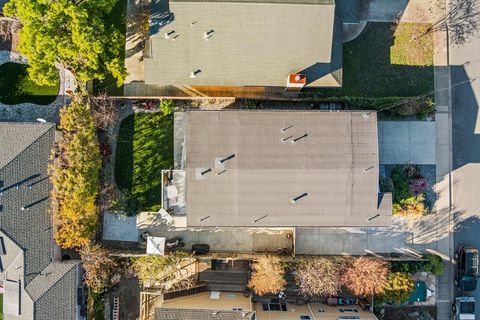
294	200
169	35
301	137
194	73
207	35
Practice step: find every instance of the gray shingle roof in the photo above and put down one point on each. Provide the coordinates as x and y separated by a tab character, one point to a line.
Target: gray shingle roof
49	277
25	184
16	137
335	165
253	43
26	222
60	300
201	314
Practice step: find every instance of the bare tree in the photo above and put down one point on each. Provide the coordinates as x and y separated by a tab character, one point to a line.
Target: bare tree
461	20
366	276
268	275
319	276
104	111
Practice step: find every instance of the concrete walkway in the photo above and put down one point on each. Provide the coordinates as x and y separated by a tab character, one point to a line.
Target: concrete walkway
406	142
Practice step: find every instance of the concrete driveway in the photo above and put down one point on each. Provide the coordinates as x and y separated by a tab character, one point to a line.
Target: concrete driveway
406	142
348	241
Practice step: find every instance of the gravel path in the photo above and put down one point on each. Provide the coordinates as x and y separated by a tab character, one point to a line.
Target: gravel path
32	111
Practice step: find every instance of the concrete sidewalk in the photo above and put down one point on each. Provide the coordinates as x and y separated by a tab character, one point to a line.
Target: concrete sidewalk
406	142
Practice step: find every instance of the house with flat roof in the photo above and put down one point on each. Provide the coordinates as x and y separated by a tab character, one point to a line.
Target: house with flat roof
36	283
282	169
216	45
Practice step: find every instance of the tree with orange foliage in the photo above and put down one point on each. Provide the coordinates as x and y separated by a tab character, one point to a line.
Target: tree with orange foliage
268	275
366	276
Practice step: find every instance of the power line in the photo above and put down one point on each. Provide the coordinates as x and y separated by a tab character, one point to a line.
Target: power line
422	95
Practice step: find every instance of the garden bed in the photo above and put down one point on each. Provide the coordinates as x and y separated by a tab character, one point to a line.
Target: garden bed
409	313
424	175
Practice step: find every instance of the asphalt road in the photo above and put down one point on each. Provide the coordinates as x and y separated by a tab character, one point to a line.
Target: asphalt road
465	65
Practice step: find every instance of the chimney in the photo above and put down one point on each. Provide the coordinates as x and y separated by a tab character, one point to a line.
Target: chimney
296	81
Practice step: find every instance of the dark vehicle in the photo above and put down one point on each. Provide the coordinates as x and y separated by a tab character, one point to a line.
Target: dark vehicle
201	248
467	272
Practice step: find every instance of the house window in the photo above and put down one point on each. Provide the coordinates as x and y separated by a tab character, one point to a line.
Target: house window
321	310
354	310
237	309
231	296
305	318
274	307
348	318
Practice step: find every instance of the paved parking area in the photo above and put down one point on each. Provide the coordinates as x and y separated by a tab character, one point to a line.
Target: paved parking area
406	142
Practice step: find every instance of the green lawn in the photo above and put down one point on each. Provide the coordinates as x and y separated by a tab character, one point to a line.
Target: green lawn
118	18
16	87
382	62
144	148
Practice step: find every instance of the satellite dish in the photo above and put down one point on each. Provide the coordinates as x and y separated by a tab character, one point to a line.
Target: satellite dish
41	120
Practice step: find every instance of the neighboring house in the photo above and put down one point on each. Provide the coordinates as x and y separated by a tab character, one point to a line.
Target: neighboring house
220	294
226	45
215	305
37	285
282	169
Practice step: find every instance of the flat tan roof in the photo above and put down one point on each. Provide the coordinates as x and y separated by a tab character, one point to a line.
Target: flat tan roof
332	170
250	43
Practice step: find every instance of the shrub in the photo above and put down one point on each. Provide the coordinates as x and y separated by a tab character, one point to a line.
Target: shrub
319	276
75	176
418	185
401	186
366	276
407	266
399	287
411	206
248	104
167	107
267	276
434	264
